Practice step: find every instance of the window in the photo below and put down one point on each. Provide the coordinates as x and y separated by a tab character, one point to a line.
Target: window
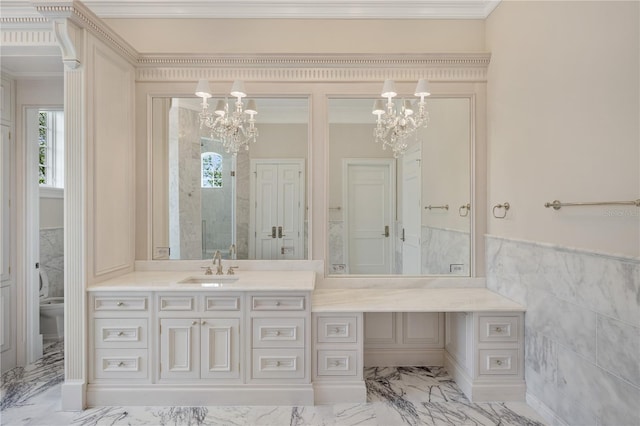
51	148
211	170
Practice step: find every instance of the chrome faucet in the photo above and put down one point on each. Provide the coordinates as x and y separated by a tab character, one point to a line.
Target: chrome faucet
217	255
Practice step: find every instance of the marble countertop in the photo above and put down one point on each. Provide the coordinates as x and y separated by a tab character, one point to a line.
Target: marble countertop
412	300
246	281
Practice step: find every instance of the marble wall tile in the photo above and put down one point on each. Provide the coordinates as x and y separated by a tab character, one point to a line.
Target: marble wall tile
614	400
443	247
52	259
336	247
582	342
619	348
565	323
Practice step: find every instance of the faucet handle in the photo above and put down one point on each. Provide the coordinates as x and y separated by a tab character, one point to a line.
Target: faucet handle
230	271
207	270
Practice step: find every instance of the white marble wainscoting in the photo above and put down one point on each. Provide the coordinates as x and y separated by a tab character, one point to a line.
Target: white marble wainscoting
336	247
52	259
442	248
582	329
397	396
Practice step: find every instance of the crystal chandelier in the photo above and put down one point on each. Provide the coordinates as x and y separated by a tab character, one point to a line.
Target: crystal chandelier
235	127
394	126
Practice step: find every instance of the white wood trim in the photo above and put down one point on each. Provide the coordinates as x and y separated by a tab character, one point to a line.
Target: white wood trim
403	357
326	392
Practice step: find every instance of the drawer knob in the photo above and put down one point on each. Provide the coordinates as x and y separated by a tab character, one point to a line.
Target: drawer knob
499	362
121	364
277	332
277	363
120	304
499	329
120	333
336	363
278	303
336	330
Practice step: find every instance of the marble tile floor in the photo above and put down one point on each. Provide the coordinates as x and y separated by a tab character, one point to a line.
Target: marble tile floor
396	396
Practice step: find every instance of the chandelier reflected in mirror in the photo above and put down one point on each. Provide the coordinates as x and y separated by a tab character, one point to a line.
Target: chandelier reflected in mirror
395	125
234	127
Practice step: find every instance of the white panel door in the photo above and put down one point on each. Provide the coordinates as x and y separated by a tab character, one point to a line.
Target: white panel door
379	328
266	211
411	212
220	348
179	348
368	204
278	209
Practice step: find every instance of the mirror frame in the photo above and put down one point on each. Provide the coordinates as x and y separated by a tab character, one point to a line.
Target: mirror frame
319	76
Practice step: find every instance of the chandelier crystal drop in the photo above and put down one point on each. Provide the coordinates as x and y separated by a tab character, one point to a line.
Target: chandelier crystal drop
234	127
395	125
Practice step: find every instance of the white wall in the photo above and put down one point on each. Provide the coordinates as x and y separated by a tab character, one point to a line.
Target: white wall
563	121
208	36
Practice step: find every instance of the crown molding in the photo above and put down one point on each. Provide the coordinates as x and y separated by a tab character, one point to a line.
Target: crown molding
77	13
314	68
304	9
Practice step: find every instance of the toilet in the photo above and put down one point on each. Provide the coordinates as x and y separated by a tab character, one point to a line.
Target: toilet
51	311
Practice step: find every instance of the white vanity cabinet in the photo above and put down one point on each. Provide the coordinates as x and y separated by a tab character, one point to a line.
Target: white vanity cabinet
199	337
119	331
279	337
484	352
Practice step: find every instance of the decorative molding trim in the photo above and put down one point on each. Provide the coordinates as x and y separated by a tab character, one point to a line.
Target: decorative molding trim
306	9
314	68
27	38
85	18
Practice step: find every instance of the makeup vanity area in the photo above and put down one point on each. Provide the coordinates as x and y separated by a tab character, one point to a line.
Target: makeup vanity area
271	338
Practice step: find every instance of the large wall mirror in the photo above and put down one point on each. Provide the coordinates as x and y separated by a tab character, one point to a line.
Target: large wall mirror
252	205
409	215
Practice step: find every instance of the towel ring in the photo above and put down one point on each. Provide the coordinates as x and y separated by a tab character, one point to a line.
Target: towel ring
465	208
504	206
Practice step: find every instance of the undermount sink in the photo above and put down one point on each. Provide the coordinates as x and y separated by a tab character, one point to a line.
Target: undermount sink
209	279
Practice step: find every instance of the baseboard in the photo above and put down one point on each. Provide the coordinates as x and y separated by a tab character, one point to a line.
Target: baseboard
73	395
543	410
403	357
114	395
339	392
485	389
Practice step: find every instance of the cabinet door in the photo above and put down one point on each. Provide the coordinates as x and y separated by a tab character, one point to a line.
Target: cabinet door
179	348
220	348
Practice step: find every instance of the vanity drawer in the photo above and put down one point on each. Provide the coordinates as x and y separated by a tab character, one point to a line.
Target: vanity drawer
119	304
119	364
222	303
120	333
337	329
337	363
278	303
278	332
498	362
278	364
177	303
498	328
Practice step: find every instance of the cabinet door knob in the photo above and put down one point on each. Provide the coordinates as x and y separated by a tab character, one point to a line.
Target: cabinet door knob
278	303
203	322
277	332
119	303
194	323
277	363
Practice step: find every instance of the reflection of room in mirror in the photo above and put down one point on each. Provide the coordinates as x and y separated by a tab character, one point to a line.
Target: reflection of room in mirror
196	213
425	242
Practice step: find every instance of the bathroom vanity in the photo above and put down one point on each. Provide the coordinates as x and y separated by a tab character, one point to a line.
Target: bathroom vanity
271	338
